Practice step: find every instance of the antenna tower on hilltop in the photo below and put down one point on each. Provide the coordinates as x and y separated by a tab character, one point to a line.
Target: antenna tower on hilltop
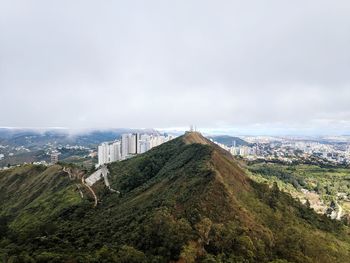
193	128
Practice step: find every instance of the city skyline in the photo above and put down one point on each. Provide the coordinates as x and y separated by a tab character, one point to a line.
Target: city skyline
128	145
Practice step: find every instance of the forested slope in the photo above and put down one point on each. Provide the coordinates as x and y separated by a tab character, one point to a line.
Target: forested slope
186	200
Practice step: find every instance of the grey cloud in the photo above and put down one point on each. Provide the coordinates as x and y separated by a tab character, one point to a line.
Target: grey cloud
86	64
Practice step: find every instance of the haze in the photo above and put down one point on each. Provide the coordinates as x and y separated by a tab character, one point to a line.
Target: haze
242	66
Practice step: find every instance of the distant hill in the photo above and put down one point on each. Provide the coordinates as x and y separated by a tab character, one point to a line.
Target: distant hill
37	143
37	138
228	140
184	201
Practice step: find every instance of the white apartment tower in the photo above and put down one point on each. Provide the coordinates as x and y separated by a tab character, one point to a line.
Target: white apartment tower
129	145
125	145
109	152
133	144
103	153
114	152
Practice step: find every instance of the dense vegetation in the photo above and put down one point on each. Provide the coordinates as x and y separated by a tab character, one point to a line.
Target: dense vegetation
330	183
186	202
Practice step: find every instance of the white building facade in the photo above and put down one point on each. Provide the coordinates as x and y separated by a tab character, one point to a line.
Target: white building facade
109	152
128	146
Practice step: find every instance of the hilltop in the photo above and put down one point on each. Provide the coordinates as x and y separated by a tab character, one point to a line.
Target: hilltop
186	201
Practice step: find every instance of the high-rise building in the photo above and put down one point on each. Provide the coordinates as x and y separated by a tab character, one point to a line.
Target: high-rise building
114	152
103	153
125	145
144	143
109	152
132	143
144	146
129	145
54	157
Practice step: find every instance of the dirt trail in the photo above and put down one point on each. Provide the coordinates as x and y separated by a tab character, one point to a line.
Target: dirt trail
91	190
76	174
340	212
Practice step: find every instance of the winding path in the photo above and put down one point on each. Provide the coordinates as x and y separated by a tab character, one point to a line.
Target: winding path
77	175
340	212
91	190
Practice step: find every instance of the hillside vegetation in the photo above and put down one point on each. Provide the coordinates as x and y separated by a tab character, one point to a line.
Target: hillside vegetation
184	201
323	187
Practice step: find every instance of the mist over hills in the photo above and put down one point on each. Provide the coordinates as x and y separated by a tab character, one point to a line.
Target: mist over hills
20	145
186	201
25	145
228	140
37	137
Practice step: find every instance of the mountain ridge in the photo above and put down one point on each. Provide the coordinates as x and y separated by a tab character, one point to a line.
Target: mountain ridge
187	200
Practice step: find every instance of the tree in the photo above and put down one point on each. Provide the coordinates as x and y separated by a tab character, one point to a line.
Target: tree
203	228
129	254
274	196
307	203
3	226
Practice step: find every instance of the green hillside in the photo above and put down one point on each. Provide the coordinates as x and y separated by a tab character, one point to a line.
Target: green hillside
31	194
184	201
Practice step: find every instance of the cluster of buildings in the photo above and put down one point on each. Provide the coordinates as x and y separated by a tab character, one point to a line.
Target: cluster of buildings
333	152
72	147
292	149
243	150
129	145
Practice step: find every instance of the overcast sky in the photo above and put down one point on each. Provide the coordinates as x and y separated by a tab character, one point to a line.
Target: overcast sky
244	66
